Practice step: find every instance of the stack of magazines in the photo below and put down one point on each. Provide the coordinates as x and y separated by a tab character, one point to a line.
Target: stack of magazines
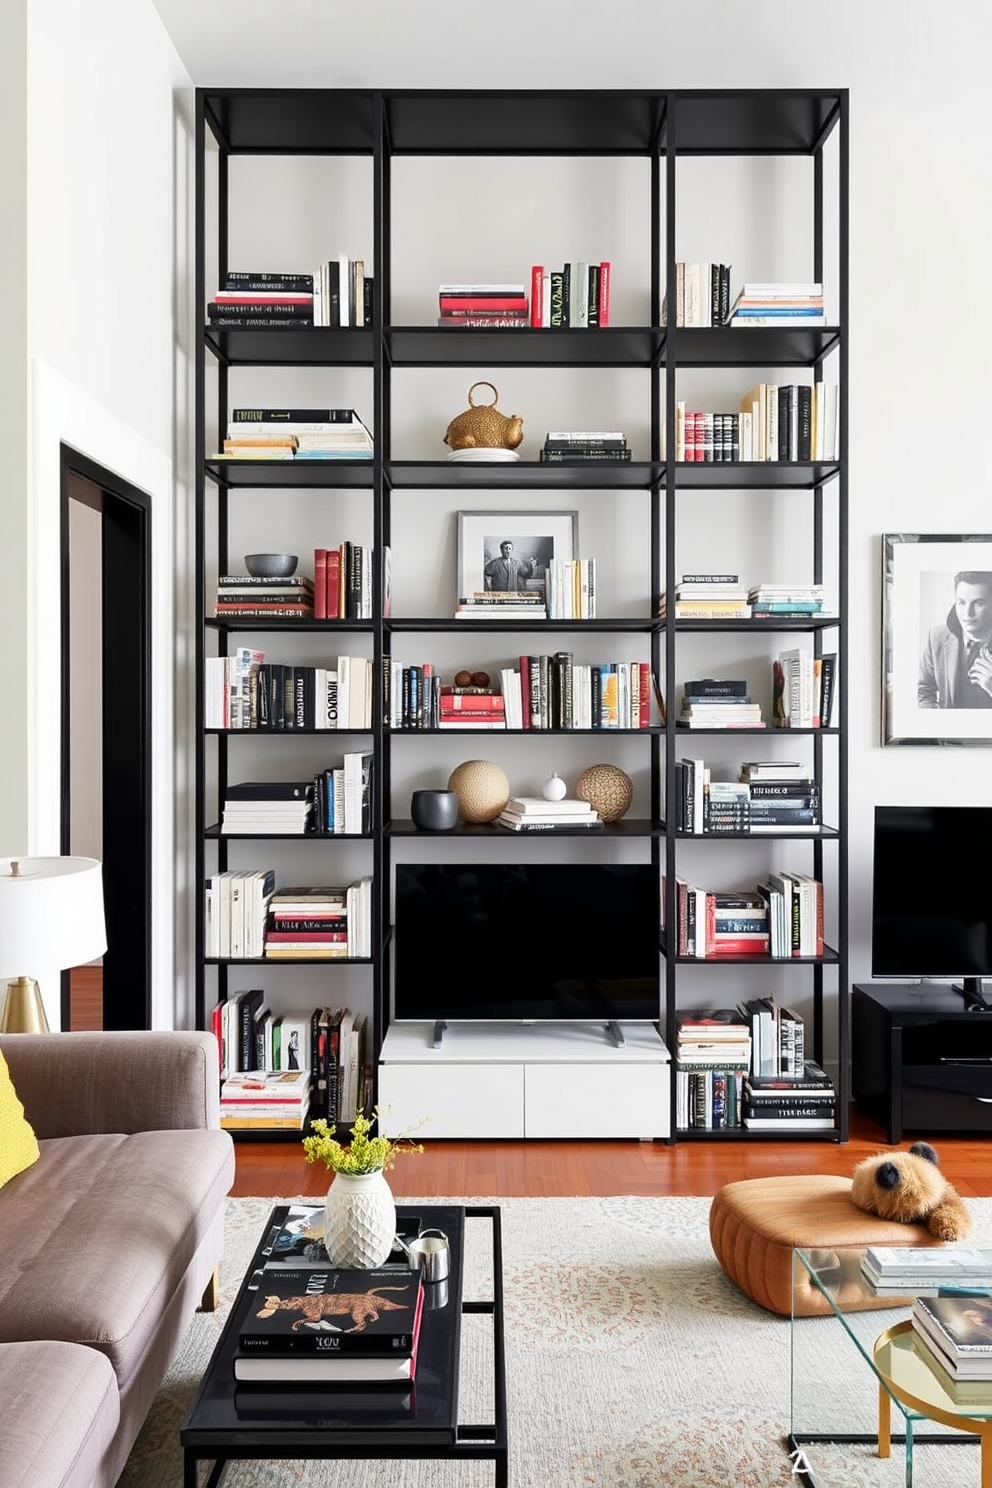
905	1269
957	1332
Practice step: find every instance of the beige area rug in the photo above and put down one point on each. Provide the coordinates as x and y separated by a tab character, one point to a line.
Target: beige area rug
632	1362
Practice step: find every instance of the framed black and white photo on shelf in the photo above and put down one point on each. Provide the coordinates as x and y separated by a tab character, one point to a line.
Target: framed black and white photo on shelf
510	550
936	638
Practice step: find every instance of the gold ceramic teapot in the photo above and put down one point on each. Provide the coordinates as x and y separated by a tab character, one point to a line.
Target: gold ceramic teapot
482	426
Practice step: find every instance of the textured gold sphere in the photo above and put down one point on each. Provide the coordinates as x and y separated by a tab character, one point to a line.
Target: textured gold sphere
607	789
482	788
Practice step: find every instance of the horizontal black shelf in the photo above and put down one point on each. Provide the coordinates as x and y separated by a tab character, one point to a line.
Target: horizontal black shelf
683	734
319	473
530	346
288	960
625	827
562	121
746	1134
815	834
438	624
755	475
527	475
293	733
757	622
829	958
214	832
530	733
215	622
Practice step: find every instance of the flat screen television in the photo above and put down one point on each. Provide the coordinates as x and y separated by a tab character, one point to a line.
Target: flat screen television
541	942
932	895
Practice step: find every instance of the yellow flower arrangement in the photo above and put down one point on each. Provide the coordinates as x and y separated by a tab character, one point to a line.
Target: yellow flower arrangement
364	1154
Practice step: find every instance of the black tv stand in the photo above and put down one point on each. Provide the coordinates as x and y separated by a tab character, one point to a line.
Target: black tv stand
973	992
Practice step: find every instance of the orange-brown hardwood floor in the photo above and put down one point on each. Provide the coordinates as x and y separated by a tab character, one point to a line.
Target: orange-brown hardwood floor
561	1169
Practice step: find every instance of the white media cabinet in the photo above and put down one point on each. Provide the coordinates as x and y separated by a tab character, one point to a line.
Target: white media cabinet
516	1080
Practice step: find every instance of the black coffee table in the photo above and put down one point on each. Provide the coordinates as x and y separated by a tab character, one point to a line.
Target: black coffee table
228	1419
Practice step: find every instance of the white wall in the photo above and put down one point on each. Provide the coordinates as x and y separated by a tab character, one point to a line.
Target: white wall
108	198
104	277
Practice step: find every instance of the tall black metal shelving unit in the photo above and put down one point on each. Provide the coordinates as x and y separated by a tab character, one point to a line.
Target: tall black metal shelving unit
664	127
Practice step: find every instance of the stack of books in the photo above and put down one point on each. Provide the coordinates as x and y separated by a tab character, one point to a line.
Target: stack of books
470	707
726	807
712	1058
788	805
307	923
371	1317
790	1102
476	306
718	922
255	808
585	447
535	814
790	422
276	1100
577	294
502	604
708	597
296	434
957	1332
246	597
778	303
712	703
255	299
787	599
925	1268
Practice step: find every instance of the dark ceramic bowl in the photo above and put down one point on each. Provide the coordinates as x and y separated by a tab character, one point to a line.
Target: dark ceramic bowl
271	565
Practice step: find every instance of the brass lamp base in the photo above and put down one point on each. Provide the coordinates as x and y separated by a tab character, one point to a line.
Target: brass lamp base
23	1009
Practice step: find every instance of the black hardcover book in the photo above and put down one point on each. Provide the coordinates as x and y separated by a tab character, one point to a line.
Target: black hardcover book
367	299
259	322
247	1006
594	294
330	1310
251	281
292	416
813	1078
828	672
804	450
711	687
270	790
297	310
558	316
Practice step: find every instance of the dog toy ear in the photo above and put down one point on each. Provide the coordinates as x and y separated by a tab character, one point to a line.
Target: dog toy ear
923	1149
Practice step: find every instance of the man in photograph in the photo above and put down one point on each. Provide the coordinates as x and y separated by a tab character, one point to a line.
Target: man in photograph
506	572
956	665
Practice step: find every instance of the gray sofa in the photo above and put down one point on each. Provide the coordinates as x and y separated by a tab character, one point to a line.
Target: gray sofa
108	1243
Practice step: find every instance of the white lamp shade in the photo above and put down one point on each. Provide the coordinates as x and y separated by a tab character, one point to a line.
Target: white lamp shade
51	914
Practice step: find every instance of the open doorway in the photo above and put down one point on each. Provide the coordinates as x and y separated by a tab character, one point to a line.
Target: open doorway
106	730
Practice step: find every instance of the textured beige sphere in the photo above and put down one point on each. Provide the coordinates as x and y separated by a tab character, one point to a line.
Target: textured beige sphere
482	788
607	789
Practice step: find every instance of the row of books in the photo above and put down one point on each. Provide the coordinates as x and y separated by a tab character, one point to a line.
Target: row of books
792	422
310	1322
244	691
577	294
338	293
342	582
338	800
782	917
716	1097
803	689
702	299
707	807
342	292
702	294
248	919
730	1072
580	447
547	692
568	593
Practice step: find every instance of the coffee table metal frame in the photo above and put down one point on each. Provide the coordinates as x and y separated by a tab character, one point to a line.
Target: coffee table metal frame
807	1266
212	1430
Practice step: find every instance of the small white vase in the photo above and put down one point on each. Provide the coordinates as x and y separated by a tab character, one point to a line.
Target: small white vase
359	1220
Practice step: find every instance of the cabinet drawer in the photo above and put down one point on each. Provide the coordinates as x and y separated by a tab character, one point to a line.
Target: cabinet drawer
462	1100
584	1100
947	1097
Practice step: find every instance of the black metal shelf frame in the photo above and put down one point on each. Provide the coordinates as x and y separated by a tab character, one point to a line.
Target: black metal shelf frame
662	126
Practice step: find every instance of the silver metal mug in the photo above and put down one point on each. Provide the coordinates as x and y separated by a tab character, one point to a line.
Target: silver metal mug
430	1253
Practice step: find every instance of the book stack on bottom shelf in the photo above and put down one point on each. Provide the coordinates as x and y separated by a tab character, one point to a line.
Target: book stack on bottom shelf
803	1102
712	1059
304	1320
265	1100
957	1333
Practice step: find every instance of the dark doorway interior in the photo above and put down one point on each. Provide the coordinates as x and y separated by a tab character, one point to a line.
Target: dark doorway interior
115	612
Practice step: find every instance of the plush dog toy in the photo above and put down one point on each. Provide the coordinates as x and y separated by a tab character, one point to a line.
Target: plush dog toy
910	1188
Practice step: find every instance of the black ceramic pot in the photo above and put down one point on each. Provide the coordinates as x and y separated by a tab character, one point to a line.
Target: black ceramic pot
434	810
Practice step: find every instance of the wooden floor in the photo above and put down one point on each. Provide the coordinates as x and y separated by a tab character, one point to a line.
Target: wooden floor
561	1169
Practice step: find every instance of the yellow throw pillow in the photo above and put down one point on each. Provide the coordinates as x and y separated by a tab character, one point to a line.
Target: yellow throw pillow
18	1143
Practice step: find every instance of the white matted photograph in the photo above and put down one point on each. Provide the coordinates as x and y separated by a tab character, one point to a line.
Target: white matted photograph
936	638
510	550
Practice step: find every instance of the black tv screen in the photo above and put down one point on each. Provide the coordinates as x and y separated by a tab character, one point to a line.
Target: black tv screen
931	892
502	942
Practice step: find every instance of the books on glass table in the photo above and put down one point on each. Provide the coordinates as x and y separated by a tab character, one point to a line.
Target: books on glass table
915	1267
325	1323
958	1330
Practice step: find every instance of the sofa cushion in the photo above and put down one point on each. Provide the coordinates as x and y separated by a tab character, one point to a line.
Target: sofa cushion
60	1413
96	1237
18	1143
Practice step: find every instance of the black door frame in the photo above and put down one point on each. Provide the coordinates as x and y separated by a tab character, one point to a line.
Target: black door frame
126	708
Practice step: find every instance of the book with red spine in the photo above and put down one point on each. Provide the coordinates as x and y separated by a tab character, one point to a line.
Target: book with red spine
478	302
320	583
525	691
332	594
537	295
604	293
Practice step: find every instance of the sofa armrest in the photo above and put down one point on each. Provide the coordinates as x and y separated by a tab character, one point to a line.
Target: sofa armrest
79	1084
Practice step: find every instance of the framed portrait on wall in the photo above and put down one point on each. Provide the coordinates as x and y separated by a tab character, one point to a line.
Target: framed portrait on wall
936	638
510	550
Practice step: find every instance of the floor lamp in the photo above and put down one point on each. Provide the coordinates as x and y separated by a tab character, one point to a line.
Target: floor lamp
51	915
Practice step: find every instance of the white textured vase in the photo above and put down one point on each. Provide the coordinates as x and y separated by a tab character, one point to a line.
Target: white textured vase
359	1219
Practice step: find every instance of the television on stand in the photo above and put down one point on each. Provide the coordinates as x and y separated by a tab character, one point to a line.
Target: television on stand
932	896
526	943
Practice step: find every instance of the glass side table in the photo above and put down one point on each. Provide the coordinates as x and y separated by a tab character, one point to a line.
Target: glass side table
857	1371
